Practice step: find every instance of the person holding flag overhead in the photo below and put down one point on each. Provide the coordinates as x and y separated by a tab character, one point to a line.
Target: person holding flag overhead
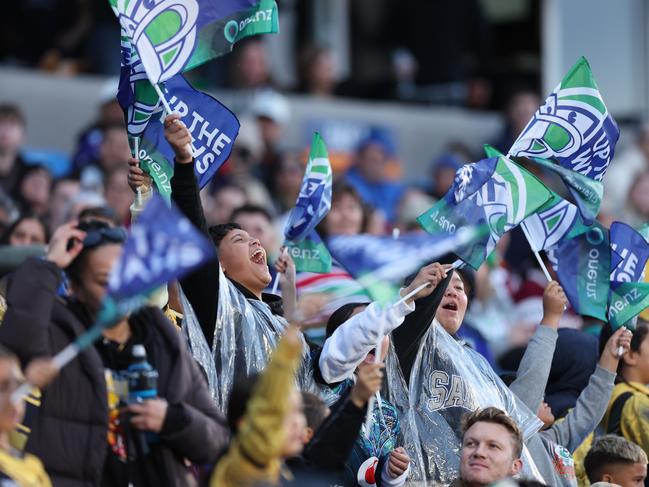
82	431
233	326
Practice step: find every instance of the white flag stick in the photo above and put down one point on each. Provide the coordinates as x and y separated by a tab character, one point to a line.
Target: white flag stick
60	360
170	111
536	254
276	283
455	265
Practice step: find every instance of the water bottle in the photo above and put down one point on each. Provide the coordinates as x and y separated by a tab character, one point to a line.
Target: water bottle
142	385
142	377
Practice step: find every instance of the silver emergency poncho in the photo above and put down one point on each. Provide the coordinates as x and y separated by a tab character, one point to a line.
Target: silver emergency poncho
448	380
245	335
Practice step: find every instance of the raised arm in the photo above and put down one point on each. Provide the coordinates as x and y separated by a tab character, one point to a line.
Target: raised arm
534	369
592	402
346	348
201	286
407	337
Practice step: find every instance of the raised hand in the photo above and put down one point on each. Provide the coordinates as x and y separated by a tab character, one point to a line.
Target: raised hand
369	378
179	138
610	356
432	275
137	178
65	245
554	303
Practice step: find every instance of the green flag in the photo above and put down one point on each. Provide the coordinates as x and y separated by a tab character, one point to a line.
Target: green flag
628	300
310	254
174	36
496	192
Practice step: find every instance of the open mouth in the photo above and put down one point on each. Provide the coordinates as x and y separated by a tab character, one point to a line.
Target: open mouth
258	257
451	306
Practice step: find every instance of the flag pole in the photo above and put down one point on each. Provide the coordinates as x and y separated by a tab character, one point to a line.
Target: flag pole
169	111
537	255
529	241
455	265
276	283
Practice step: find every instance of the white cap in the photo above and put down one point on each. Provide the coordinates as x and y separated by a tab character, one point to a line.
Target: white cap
108	90
138	351
271	104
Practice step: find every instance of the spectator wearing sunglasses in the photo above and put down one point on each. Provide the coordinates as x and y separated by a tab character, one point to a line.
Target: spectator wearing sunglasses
83	431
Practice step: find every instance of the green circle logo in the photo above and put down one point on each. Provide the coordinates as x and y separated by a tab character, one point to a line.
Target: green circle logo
231	30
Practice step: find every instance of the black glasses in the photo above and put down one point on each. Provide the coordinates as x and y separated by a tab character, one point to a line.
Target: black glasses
109	234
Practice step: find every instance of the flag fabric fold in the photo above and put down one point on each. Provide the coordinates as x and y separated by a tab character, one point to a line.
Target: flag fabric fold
496	192
629	295
162	246
582	265
572	127
313	203
213	126
380	264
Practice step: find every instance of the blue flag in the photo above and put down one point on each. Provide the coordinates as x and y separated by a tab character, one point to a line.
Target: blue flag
629	295
314	201
162	246
631	252
380	264
135	94
583	266
212	125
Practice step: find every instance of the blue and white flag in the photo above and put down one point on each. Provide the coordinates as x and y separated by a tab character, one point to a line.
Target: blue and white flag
162	246
173	36
380	264
314	201
554	222
631	252
629	295
495	192
212	125
135	94
573	127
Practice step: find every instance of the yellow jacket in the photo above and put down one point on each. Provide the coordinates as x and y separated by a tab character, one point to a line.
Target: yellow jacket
25	471
254	454
634	423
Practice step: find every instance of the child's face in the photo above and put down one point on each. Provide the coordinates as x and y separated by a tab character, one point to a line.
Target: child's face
294	426
10	378
627	475
639	360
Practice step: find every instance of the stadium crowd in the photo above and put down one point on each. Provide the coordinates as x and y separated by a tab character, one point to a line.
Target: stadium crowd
515	387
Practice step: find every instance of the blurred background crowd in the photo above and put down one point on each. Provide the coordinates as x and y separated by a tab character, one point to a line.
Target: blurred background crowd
401	99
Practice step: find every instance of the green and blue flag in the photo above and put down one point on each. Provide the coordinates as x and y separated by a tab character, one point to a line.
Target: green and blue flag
573	126
583	266
313	203
575	129
380	264
495	192
173	36
629	296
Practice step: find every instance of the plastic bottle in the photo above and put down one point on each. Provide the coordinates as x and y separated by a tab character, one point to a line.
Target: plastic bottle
142	377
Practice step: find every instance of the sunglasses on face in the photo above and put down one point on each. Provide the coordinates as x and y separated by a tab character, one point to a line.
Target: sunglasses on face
110	234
